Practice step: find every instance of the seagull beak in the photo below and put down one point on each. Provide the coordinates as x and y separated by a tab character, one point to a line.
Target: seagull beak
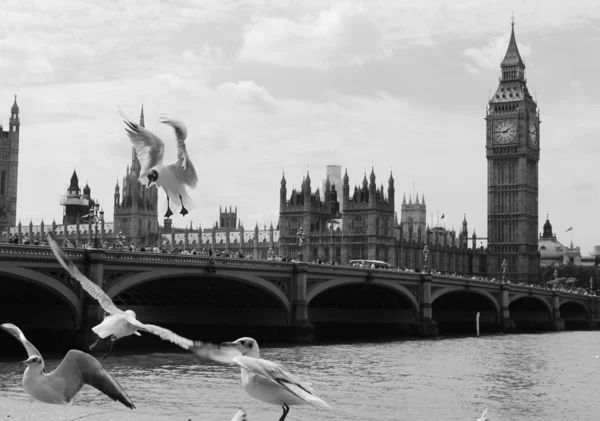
23	362
228	344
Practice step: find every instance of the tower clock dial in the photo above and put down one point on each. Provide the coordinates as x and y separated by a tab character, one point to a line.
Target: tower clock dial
533	133
505	131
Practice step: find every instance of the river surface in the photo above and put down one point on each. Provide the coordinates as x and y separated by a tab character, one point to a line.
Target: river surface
526	377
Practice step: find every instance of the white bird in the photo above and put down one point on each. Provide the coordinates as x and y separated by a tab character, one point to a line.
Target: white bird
262	379
240	415
172	178
483	415
76	370
119	323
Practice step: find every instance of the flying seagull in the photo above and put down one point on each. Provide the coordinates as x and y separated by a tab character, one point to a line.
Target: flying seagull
76	370
119	323
262	379
172	178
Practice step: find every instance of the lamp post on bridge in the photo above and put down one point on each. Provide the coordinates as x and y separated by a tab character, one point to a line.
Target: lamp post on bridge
96	218
425	254
301	238
504	265
591	285
120	240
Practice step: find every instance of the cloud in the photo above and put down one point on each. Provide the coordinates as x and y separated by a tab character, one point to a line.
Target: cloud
213	137
249	93
490	56
342	35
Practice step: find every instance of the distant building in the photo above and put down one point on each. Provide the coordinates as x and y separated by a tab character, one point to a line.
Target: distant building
227	235
552	251
76	203
333	173
367	228
9	168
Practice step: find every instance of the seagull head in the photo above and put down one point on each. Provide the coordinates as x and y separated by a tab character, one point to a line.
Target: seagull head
35	363
131	313
247	346
152	176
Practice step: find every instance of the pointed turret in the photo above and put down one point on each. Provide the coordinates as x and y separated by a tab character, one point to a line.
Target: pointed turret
15	107
86	190
74	186
391	189
142	122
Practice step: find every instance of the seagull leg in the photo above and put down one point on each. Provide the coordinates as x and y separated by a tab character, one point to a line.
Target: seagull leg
110	347
286	409
183	209
169	211
95	343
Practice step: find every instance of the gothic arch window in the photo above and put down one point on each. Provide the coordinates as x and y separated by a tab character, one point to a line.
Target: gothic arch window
3	183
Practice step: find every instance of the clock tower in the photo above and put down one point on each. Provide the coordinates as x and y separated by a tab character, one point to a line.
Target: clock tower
513	153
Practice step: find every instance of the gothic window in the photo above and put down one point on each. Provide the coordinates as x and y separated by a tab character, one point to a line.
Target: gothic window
3	182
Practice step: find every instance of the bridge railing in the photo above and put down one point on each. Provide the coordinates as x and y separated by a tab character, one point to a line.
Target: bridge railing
193	259
21	252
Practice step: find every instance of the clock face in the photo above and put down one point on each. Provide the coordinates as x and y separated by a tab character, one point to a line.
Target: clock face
533	133
505	131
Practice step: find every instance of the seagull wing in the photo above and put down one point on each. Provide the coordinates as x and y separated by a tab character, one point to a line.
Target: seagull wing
225	354
277	374
162	333
91	288
183	168
484	413
79	368
149	148
16	332
240	415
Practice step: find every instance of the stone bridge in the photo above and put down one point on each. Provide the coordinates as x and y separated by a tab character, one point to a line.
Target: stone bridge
296	300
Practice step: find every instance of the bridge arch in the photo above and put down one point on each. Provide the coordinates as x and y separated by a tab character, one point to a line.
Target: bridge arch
441	292
394	286
256	281
535	297
576	302
50	284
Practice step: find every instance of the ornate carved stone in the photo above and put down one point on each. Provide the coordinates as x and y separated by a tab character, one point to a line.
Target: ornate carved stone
63	277
311	283
282	284
435	289
110	278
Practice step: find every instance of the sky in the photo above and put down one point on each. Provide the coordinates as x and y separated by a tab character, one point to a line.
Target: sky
271	86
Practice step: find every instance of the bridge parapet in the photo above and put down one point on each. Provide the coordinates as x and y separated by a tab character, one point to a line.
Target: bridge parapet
37	253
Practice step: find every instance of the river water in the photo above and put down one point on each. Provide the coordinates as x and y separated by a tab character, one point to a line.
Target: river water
525	377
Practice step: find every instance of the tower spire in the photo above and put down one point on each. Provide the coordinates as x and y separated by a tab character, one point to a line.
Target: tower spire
142	122
512	57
